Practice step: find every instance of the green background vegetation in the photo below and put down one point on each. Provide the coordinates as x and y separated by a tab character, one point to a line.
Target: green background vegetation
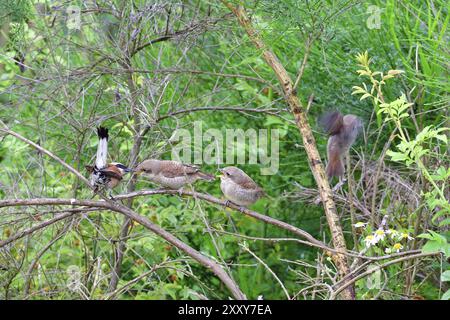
74	80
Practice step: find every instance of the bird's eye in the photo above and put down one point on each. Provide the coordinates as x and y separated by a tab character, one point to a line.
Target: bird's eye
228	174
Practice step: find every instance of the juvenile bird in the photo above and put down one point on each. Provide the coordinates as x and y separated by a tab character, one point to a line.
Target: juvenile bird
343	131
238	187
105	175
171	174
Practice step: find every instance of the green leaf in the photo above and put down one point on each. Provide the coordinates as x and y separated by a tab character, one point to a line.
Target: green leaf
446	296
431	246
425	236
395	72
363	72
445	276
397	156
436	243
364	96
444	222
357	89
442	137
271	120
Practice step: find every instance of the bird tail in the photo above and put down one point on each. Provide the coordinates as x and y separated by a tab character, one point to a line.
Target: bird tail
332	122
335	166
206	176
102	148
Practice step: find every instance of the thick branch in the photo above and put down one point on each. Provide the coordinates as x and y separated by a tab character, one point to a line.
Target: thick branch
308	140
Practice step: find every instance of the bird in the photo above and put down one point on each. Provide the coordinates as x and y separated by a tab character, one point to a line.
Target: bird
105	175
171	174
343	131
238	187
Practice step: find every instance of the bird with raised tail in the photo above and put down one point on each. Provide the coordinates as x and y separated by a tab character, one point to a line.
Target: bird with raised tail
343	131
238	187
105	175
171	174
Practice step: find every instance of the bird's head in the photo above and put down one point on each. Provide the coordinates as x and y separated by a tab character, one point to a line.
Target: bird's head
148	168
232	173
123	169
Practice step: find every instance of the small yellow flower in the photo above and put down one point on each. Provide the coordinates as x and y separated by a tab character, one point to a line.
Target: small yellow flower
404	235
370	240
397	247
379	234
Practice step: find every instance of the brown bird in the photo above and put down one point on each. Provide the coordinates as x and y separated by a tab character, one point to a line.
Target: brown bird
171	174
238	187
103	174
343	131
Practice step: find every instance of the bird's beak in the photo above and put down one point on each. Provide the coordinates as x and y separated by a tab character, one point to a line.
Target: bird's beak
221	173
128	170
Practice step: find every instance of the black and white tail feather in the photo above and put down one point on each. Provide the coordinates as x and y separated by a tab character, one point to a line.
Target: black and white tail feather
102	148
98	178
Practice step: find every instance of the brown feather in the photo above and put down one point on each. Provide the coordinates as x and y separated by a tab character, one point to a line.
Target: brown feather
172	169
241	178
112	172
250	184
332	122
335	167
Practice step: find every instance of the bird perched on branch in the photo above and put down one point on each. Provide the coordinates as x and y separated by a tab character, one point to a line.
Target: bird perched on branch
343	131
238	187
171	174
105	175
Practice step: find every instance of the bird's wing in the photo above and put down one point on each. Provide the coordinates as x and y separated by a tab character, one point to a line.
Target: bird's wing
174	169
102	148
250	184
247	183
112	172
332	122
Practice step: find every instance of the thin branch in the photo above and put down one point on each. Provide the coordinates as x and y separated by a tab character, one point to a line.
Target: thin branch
268	269
308	47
